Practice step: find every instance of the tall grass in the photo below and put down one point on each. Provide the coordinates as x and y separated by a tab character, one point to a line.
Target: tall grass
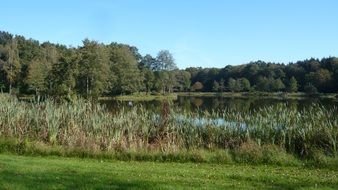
83	124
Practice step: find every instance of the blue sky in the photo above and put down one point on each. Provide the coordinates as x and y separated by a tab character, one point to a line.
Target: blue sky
206	33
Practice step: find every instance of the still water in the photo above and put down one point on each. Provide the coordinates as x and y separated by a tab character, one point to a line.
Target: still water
194	104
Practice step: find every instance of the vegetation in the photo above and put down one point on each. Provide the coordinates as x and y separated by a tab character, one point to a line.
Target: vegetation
66	120
95	69
90	127
145	97
17	172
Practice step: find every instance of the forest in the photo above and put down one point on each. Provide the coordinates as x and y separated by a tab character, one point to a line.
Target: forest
95	69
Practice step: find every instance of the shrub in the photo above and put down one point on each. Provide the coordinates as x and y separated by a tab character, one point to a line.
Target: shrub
276	155
249	152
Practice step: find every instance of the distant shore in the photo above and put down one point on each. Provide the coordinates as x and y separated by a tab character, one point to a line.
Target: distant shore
174	96
142	96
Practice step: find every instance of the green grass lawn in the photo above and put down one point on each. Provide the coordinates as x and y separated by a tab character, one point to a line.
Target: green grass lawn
21	172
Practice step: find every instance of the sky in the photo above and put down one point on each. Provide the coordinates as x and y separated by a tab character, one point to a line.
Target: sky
199	33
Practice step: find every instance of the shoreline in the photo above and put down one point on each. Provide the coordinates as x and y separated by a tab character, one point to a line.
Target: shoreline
174	96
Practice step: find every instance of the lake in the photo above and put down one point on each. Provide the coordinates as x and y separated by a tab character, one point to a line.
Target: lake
194	104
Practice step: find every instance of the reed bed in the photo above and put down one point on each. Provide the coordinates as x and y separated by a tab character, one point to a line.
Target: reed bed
91	126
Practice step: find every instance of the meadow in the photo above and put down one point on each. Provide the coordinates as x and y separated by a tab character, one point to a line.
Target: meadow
26	172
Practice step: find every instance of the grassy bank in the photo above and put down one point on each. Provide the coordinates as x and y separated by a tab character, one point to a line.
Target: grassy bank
248	153
19	172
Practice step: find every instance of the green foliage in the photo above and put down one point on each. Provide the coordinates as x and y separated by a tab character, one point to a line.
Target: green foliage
232	85
321	78
263	84
249	152
5	37
94	70
293	85
239	85
222	85
310	89
37	76
183	80
215	86
149	80
11	65
245	84
149	62
120	69
125	68
277	85
85	124
165	61
62	78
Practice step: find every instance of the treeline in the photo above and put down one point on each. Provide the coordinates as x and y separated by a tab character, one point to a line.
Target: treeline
310	76
95	69
91	70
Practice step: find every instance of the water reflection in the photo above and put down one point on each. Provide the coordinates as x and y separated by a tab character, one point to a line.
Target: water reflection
194	104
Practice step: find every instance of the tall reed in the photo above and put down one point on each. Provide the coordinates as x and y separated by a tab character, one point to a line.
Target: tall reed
90	125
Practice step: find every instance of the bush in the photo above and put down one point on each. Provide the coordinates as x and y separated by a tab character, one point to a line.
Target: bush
276	155
249	152
220	157
310	89
319	159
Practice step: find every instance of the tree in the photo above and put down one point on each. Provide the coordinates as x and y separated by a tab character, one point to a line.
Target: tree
182	80
245	83
63	75
171	82
149	62
222	85
125	68
310	89
94	69
5	37
37	76
97	69
238	86
160	77
277	85
232	85
12	65
293	86
165	61
165	81
197	86
149	80
263	84
320	79
215	86
186	80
